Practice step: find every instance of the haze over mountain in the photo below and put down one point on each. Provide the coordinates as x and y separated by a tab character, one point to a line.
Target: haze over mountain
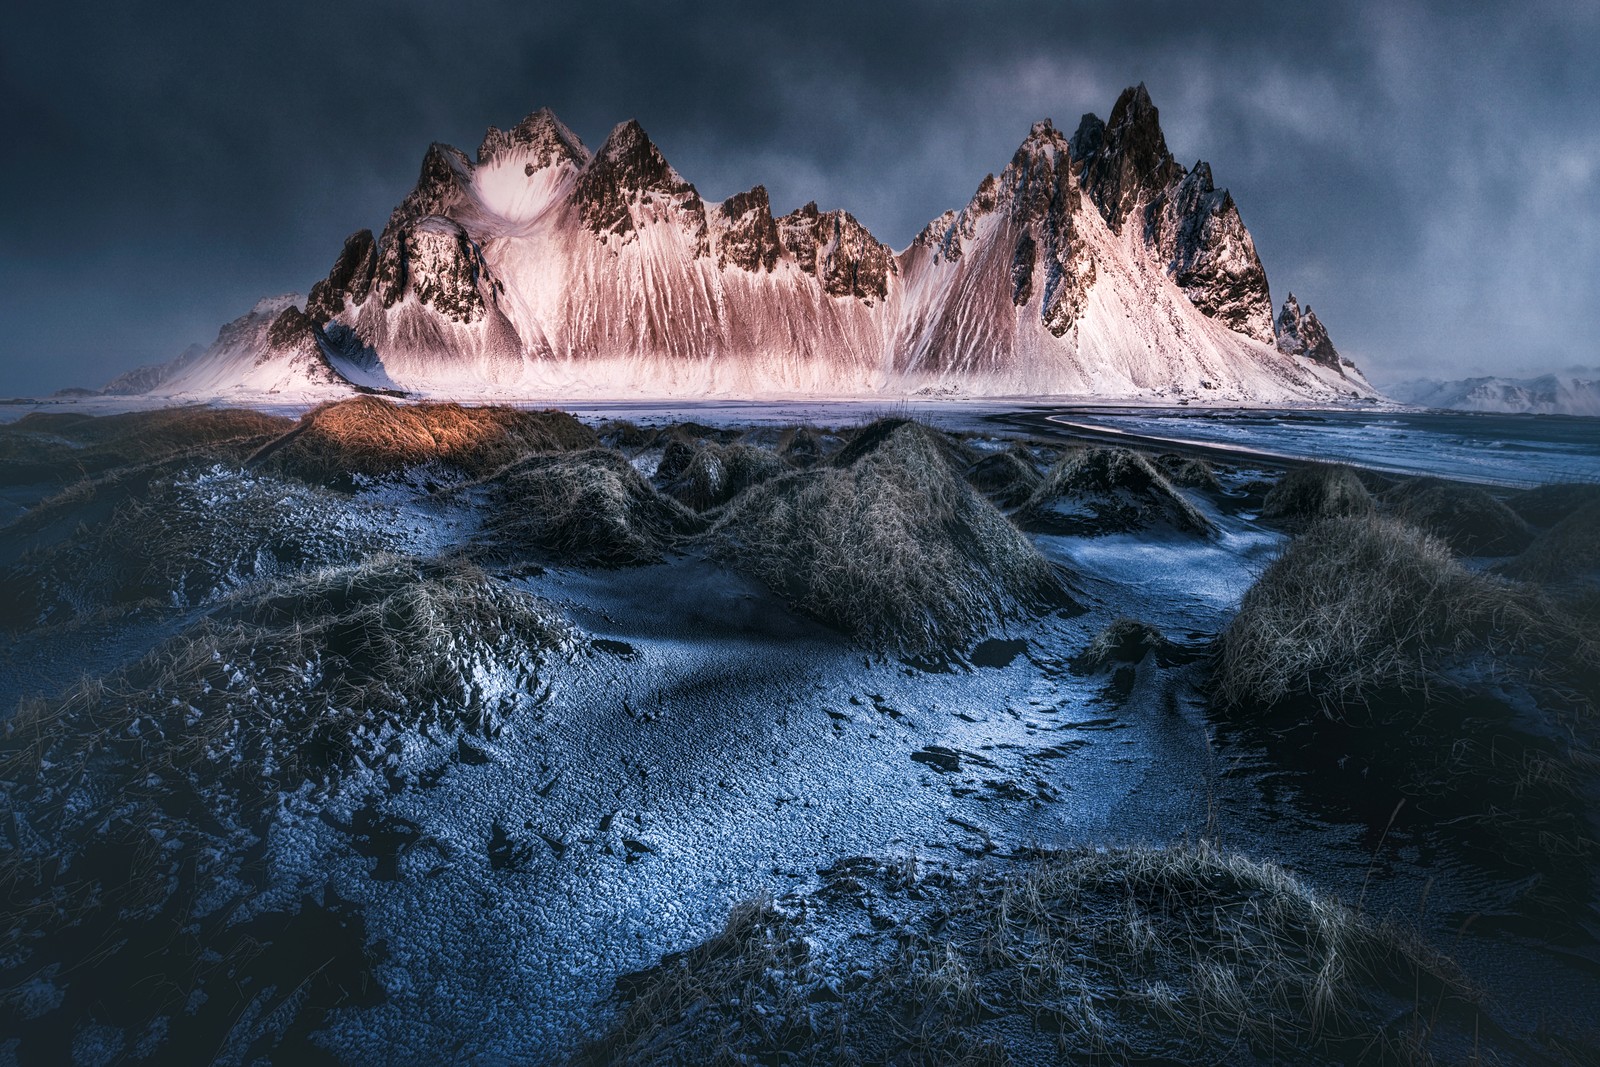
1092	265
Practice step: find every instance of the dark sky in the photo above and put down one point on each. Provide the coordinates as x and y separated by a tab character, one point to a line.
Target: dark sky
1426	176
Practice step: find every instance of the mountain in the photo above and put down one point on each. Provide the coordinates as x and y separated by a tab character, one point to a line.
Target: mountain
1093	265
1549	394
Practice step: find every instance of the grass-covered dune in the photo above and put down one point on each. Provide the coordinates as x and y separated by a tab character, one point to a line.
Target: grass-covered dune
1369	641
1317	491
1106	490
888	542
63	447
589	507
1185	954
369	436
136	808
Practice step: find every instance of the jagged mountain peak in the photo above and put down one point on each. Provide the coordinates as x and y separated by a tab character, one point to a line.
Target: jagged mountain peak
543	137
1127	159
1090	265
1301	333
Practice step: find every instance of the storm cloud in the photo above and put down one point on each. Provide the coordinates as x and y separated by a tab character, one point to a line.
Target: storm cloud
1426	176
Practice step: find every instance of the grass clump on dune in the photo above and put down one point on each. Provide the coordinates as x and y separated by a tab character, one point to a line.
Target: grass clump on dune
1190	472
60	447
1008	478
1127	641
1358	607
715	474
136	806
1182	954
583	507
1108	490
368	436
1467	518
176	540
1317	491
1568	551
888	542
1368	648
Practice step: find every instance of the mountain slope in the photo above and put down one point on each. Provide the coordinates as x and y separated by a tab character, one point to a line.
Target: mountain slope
1092	266
1549	394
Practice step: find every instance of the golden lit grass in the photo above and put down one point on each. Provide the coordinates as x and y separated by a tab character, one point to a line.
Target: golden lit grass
370	436
1181	954
888	543
1106	490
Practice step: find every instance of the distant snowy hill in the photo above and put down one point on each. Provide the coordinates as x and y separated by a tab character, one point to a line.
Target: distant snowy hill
1549	394
1093	265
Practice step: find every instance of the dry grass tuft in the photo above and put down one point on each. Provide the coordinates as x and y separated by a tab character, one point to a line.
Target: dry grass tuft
1107	490
1468	519
1317	491
1182	954
715	474
1126	641
1568	551
63	447
583	507
1008	478
888	543
369	436
1358	607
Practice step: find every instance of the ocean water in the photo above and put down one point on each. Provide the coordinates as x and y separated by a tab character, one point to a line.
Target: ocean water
1491	449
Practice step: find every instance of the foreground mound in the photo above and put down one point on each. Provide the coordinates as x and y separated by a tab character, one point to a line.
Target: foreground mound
583	507
1568	551
714	473
1468	519
888	543
1317	491
1008	478
1360	606
368	436
1107	490
175	539
60	447
137	809
1134	955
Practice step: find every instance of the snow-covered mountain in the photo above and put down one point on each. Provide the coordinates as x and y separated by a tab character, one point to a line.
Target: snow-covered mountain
1093	265
1549	394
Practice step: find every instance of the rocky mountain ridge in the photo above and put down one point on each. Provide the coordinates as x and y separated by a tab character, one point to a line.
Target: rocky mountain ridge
1094	265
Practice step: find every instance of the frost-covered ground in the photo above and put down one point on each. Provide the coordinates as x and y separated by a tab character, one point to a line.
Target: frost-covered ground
700	742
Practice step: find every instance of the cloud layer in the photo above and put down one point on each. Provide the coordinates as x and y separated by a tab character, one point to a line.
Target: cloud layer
1426	176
